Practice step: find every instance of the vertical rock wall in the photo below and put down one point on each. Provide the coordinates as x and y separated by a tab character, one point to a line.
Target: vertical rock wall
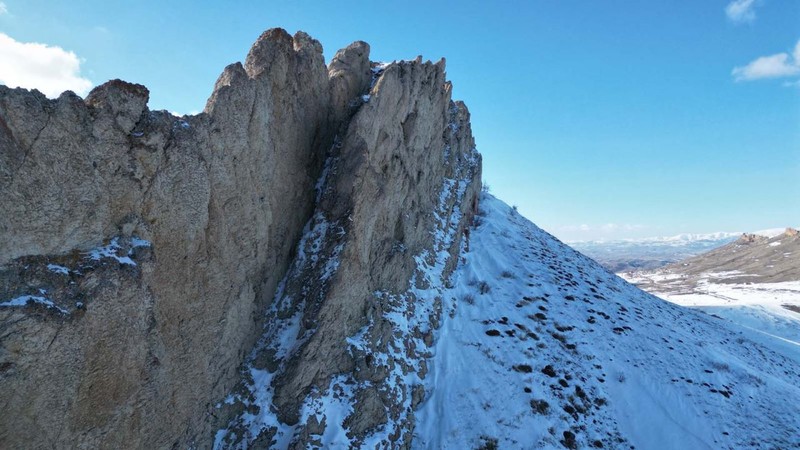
344	348
298	225
131	355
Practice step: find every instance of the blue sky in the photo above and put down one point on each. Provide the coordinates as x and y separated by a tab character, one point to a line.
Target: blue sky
600	120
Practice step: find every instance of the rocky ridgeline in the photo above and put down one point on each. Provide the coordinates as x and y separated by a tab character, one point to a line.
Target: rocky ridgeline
169	282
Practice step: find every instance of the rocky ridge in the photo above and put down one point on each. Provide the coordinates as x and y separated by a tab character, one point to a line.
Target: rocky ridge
751	258
143	256
339	289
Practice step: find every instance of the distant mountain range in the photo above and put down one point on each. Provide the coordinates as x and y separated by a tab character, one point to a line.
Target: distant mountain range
753	282
752	258
652	253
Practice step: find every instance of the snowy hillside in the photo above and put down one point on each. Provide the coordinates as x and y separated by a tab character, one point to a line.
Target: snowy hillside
753	282
770	310
540	347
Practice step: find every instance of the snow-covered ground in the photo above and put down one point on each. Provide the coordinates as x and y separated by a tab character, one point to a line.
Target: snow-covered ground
770	311
540	347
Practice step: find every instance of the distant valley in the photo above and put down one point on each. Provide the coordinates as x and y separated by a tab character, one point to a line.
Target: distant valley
652	253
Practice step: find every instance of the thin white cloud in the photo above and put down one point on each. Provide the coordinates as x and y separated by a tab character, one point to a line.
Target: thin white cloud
581	227
792	84
50	69
741	11
3	9
622	227
604	228
599	232
773	66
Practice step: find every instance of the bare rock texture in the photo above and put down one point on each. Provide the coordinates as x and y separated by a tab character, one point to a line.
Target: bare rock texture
196	219
352	321
208	280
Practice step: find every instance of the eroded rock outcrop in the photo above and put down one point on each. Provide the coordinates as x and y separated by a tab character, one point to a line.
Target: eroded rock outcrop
144	256
355	317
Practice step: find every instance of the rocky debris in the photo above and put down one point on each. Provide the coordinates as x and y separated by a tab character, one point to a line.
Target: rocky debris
222	197
748	238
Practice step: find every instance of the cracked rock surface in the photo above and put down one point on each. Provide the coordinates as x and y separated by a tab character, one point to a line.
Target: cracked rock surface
145	257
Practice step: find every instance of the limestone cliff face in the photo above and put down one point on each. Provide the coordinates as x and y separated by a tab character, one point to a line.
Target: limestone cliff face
353	320
144	256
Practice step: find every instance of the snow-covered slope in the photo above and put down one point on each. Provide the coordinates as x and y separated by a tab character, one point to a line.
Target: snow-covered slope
753	282
540	347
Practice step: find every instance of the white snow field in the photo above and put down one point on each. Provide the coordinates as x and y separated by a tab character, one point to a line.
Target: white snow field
770	312
540	347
